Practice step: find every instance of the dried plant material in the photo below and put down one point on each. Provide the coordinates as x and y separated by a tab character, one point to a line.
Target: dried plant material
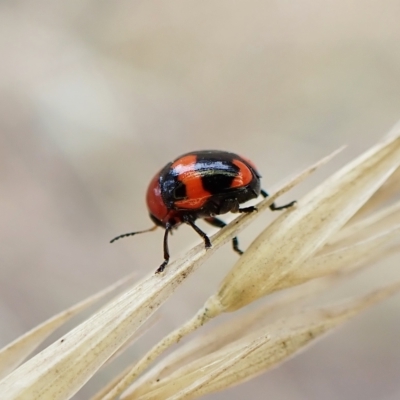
181	272
298	233
288	242
384	194
388	190
60	370
64	367
138	334
373	224
110	385
287	303
343	260
14	353
257	352
352	247
232	358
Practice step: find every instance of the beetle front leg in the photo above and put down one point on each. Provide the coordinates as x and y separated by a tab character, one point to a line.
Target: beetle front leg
166	250
274	207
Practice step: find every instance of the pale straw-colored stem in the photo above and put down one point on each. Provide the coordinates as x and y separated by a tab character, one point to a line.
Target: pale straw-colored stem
210	310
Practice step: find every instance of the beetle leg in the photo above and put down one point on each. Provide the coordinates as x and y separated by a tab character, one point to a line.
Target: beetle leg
166	250
273	206
206	239
220	224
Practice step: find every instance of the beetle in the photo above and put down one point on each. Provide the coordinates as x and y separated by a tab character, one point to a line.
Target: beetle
201	184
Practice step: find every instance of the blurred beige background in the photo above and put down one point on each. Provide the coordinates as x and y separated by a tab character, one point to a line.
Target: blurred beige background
95	97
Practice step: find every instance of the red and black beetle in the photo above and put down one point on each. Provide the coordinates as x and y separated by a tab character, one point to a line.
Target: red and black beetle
201	184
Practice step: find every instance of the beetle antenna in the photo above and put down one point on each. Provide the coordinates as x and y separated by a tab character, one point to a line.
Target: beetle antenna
134	233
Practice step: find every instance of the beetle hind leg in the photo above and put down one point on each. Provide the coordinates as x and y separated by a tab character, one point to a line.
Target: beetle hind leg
220	224
273	206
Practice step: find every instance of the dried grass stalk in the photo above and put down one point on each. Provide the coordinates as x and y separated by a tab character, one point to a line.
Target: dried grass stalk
273	259
318	238
61	369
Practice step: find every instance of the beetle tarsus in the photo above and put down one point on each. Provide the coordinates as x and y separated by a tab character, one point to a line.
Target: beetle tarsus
235	245
161	267
273	206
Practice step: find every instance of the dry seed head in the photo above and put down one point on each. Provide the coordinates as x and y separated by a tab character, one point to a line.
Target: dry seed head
255	352
298	233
